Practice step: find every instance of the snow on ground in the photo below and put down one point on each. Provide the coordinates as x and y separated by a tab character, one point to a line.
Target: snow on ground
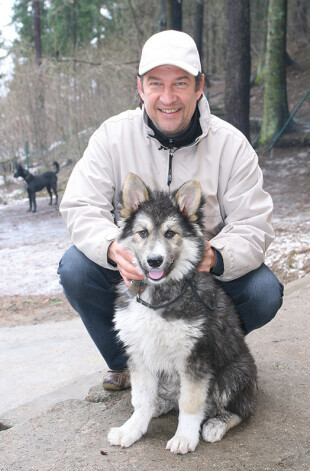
31	246
289	254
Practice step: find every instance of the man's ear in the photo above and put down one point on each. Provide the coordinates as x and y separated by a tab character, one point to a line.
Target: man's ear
134	193
188	198
140	87
200	90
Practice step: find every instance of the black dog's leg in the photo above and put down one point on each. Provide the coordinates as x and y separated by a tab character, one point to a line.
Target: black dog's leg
30	200
50	193
55	191
34	202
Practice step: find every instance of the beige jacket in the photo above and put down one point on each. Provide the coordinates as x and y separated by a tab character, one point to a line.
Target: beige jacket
237	212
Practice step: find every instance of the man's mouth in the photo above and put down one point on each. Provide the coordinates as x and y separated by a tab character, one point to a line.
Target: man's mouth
169	111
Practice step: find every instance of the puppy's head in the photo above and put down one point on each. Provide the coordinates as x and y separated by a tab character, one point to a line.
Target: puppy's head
164	232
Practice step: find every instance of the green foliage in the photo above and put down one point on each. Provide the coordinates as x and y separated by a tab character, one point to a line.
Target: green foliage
66	24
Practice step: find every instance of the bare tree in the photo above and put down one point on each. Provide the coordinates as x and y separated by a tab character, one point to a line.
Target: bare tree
238	65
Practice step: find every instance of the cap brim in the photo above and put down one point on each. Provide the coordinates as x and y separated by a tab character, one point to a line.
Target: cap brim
151	65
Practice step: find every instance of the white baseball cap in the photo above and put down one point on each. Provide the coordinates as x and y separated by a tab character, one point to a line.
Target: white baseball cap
170	48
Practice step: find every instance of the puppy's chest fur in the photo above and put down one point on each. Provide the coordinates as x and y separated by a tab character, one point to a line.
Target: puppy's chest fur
163	345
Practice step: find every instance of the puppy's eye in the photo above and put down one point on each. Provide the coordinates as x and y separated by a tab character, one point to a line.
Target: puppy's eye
143	234
169	234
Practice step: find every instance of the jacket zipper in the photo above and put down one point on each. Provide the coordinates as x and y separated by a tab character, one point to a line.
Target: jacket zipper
171	153
169	180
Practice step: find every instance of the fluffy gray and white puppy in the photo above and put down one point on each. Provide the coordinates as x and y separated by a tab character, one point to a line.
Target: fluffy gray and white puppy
181	332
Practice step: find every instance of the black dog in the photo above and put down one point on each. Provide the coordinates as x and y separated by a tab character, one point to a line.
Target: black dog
36	183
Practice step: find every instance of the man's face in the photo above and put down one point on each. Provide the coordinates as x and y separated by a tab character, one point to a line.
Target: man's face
170	96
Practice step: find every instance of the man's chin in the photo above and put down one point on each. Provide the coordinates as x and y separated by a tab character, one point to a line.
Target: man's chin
168	131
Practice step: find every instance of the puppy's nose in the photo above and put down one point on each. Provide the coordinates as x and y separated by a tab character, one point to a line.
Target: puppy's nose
155	260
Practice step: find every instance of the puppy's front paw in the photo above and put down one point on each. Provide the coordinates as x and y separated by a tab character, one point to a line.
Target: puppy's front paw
182	444
124	436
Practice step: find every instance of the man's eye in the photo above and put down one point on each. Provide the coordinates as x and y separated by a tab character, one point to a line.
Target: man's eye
169	234
143	234
181	84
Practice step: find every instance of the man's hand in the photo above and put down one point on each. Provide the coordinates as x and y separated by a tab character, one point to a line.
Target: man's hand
123	259
208	260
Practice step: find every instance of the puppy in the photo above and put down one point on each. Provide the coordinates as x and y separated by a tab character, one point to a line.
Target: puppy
181	332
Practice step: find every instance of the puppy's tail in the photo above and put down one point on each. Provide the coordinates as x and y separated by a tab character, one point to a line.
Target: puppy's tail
56	165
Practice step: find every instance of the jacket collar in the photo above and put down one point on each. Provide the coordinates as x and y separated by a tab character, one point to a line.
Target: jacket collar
182	139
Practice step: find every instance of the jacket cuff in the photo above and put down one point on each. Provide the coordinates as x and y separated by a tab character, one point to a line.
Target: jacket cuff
111	262
103	250
218	268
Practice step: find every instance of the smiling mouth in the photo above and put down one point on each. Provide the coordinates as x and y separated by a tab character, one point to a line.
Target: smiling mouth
170	111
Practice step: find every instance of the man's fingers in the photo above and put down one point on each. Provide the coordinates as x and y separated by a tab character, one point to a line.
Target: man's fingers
208	246
130	275
128	271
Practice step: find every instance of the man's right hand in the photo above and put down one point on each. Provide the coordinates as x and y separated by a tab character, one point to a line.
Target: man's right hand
123	259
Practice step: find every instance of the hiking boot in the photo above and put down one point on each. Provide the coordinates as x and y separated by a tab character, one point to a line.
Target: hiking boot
116	380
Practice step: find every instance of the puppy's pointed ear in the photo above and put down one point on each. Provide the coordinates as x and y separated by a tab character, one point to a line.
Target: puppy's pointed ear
134	193
188	198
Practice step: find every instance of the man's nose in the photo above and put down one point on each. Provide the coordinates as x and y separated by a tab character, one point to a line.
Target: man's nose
167	96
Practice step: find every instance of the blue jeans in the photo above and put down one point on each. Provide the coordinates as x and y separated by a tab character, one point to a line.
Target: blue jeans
89	289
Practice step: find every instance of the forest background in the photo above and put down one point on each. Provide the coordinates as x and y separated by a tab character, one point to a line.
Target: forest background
75	64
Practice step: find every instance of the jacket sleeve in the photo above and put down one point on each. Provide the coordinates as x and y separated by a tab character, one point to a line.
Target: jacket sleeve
88	202
246	211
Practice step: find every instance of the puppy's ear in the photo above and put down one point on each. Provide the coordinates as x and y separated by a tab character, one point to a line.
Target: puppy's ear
188	198
134	193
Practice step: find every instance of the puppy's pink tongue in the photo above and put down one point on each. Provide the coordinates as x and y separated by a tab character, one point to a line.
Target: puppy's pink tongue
156	274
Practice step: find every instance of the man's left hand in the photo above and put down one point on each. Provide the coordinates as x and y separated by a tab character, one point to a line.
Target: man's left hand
209	259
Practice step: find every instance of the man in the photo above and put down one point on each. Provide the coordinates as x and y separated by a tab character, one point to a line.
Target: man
173	138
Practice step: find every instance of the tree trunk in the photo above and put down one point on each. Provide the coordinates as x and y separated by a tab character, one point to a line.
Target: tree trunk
198	28
162	21
37	30
259	77
275	110
238	65
40	114
174	14
302	17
